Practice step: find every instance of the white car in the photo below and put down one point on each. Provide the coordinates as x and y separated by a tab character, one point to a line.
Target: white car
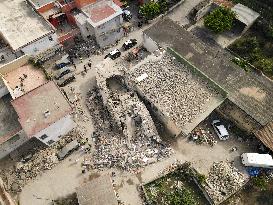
220	130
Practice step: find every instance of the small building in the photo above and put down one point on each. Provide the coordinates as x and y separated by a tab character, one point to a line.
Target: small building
245	15
30	106
24	30
44	113
98	191
103	20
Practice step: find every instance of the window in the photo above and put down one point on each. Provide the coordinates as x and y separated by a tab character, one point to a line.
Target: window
50	142
43	137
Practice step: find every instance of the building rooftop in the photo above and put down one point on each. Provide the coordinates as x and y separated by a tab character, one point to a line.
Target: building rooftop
41	107
101	12
182	96
40	3
24	79
245	14
99	191
20	24
9	124
251	92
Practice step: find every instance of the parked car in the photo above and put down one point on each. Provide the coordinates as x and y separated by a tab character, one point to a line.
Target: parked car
129	44
66	80
63	71
257	160
113	54
220	129
62	62
127	16
67	149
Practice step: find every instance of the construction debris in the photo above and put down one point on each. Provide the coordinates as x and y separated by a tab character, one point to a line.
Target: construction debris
45	159
172	88
223	180
201	136
125	136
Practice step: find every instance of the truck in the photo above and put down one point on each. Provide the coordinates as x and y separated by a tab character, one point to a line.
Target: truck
257	160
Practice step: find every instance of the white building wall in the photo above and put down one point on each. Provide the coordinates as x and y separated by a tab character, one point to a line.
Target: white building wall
3	91
16	141
56	130
41	44
109	32
149	44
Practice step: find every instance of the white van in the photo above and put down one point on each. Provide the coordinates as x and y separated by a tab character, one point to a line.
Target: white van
257	160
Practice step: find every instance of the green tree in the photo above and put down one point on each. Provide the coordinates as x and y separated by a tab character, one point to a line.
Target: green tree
220	20
150	10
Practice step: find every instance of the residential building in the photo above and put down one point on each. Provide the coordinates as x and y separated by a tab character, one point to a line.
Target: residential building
103	20
24	30
30	107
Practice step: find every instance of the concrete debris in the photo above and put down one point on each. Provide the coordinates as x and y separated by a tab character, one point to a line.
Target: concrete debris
201	136
116	147
172	88
45	159
223	180
83	48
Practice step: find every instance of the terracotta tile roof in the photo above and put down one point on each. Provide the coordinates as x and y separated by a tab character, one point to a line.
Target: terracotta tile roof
32	106
266	135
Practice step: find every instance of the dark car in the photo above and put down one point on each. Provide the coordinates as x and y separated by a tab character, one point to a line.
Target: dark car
67	149
129	44
113	54
66	80
127	16
63	71
62	64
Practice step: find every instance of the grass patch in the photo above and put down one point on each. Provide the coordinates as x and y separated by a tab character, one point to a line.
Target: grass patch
174	188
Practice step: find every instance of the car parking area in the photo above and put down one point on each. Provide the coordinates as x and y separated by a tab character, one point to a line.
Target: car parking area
211	148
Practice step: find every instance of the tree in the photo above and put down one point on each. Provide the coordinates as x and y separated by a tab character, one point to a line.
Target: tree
150	10
220	20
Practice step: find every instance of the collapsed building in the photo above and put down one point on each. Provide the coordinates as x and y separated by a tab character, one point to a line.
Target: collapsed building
125	135
249	96
179	97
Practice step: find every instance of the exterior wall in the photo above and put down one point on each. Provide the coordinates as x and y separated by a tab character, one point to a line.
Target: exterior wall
16	141
41	45
56	130
149	44
109	32
14	64
3	91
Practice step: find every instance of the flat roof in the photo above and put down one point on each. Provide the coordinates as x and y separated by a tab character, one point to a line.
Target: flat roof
251	92
9	124
24	79
40	3
98	191
245	14
32	106
182	96
20	24
101	12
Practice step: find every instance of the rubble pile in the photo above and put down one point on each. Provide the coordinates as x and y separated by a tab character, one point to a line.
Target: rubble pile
45	159
113	149
172	88
202	136
83	48
223	180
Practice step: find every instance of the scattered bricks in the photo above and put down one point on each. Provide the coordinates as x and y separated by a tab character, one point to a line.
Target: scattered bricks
223	180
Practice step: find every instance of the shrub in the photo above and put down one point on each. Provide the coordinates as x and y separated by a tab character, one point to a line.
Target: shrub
260	182
220	20
150	10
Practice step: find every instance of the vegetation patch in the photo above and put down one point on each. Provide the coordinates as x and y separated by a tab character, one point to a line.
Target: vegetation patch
175	188
220	20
